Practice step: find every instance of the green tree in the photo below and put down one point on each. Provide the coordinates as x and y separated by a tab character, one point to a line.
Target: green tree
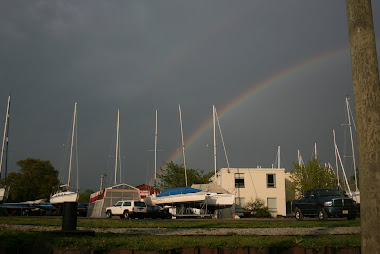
35	181
311	176
84	197
173	176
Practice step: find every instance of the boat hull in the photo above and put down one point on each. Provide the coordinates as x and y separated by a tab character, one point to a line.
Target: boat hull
220	200
180	198
66	196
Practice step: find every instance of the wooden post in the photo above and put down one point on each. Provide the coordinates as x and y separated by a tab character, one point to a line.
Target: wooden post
365	76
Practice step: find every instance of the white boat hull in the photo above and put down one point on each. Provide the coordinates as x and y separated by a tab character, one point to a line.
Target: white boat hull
220	200
211	199
180	198
66	196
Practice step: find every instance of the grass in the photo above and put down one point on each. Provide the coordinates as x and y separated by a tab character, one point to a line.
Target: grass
185	223
106	241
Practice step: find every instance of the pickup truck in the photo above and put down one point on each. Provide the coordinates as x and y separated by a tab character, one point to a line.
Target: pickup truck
127	209
324	203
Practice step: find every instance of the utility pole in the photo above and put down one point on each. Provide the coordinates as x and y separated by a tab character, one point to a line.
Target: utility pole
365	77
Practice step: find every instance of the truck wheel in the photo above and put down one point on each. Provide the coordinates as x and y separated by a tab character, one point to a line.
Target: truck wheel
351	217
126	215
322	215
109	214
298	214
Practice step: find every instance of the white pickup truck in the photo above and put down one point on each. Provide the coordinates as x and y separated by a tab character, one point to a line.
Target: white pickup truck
127	209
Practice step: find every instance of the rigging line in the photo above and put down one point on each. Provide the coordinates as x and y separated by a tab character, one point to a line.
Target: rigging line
221	135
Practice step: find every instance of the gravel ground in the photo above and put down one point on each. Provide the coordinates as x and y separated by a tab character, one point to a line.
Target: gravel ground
195	231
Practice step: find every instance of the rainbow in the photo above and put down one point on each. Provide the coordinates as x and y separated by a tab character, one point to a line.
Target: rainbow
254	90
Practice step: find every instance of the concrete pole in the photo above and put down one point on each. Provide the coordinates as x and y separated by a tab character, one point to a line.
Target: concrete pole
365	76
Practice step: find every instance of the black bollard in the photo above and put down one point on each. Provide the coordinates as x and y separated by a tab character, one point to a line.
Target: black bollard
69	219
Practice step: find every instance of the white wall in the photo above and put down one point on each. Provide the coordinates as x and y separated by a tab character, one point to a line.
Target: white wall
255	185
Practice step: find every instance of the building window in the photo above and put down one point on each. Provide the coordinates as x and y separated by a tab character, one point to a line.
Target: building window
239	180
271	180
272	204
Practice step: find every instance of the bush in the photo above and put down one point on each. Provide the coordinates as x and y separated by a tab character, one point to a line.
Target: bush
258	209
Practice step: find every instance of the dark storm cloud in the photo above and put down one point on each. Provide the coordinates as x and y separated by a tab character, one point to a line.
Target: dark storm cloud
143	55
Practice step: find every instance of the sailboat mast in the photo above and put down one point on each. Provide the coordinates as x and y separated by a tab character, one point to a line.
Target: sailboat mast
183	145
213	120
5	138
71	147
336	159
352	143
315	150
117	144
155	152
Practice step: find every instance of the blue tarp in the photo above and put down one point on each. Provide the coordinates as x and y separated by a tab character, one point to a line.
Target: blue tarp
176	191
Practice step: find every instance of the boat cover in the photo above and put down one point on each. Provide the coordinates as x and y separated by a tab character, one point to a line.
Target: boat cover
177	191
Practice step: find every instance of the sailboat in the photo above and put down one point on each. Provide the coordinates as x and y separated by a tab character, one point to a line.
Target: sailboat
179	195
63	194
354	194
106	197
5	190
194	196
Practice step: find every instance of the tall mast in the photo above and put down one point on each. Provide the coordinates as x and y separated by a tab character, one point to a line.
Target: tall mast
155	153
278	155
336	159
344	172
300	160
183	145
117	144
5	138
213	120
352	143
72	141
221	136
315	150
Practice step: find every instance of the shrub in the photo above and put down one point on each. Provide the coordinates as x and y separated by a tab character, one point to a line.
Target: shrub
258	209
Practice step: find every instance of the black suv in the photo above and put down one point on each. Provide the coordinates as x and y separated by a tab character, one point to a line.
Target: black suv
324	203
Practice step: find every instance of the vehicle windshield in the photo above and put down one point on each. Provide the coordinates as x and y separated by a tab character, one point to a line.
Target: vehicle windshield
328	193
141	204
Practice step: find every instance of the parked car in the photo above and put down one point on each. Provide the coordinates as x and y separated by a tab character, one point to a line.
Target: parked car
127	209
157	212
324	203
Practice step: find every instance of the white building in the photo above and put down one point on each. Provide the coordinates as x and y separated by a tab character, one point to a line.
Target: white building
248	184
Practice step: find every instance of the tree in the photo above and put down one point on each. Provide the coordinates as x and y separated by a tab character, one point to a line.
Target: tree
84	197
311	176
173	176
36	180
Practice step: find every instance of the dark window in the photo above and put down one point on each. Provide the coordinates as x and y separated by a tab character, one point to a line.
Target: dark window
141	204
239	180
271	180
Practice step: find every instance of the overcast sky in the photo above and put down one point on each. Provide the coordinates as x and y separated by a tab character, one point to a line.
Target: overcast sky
278	73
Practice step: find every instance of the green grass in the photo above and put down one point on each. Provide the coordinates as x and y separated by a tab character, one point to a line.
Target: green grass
10	239
185	223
